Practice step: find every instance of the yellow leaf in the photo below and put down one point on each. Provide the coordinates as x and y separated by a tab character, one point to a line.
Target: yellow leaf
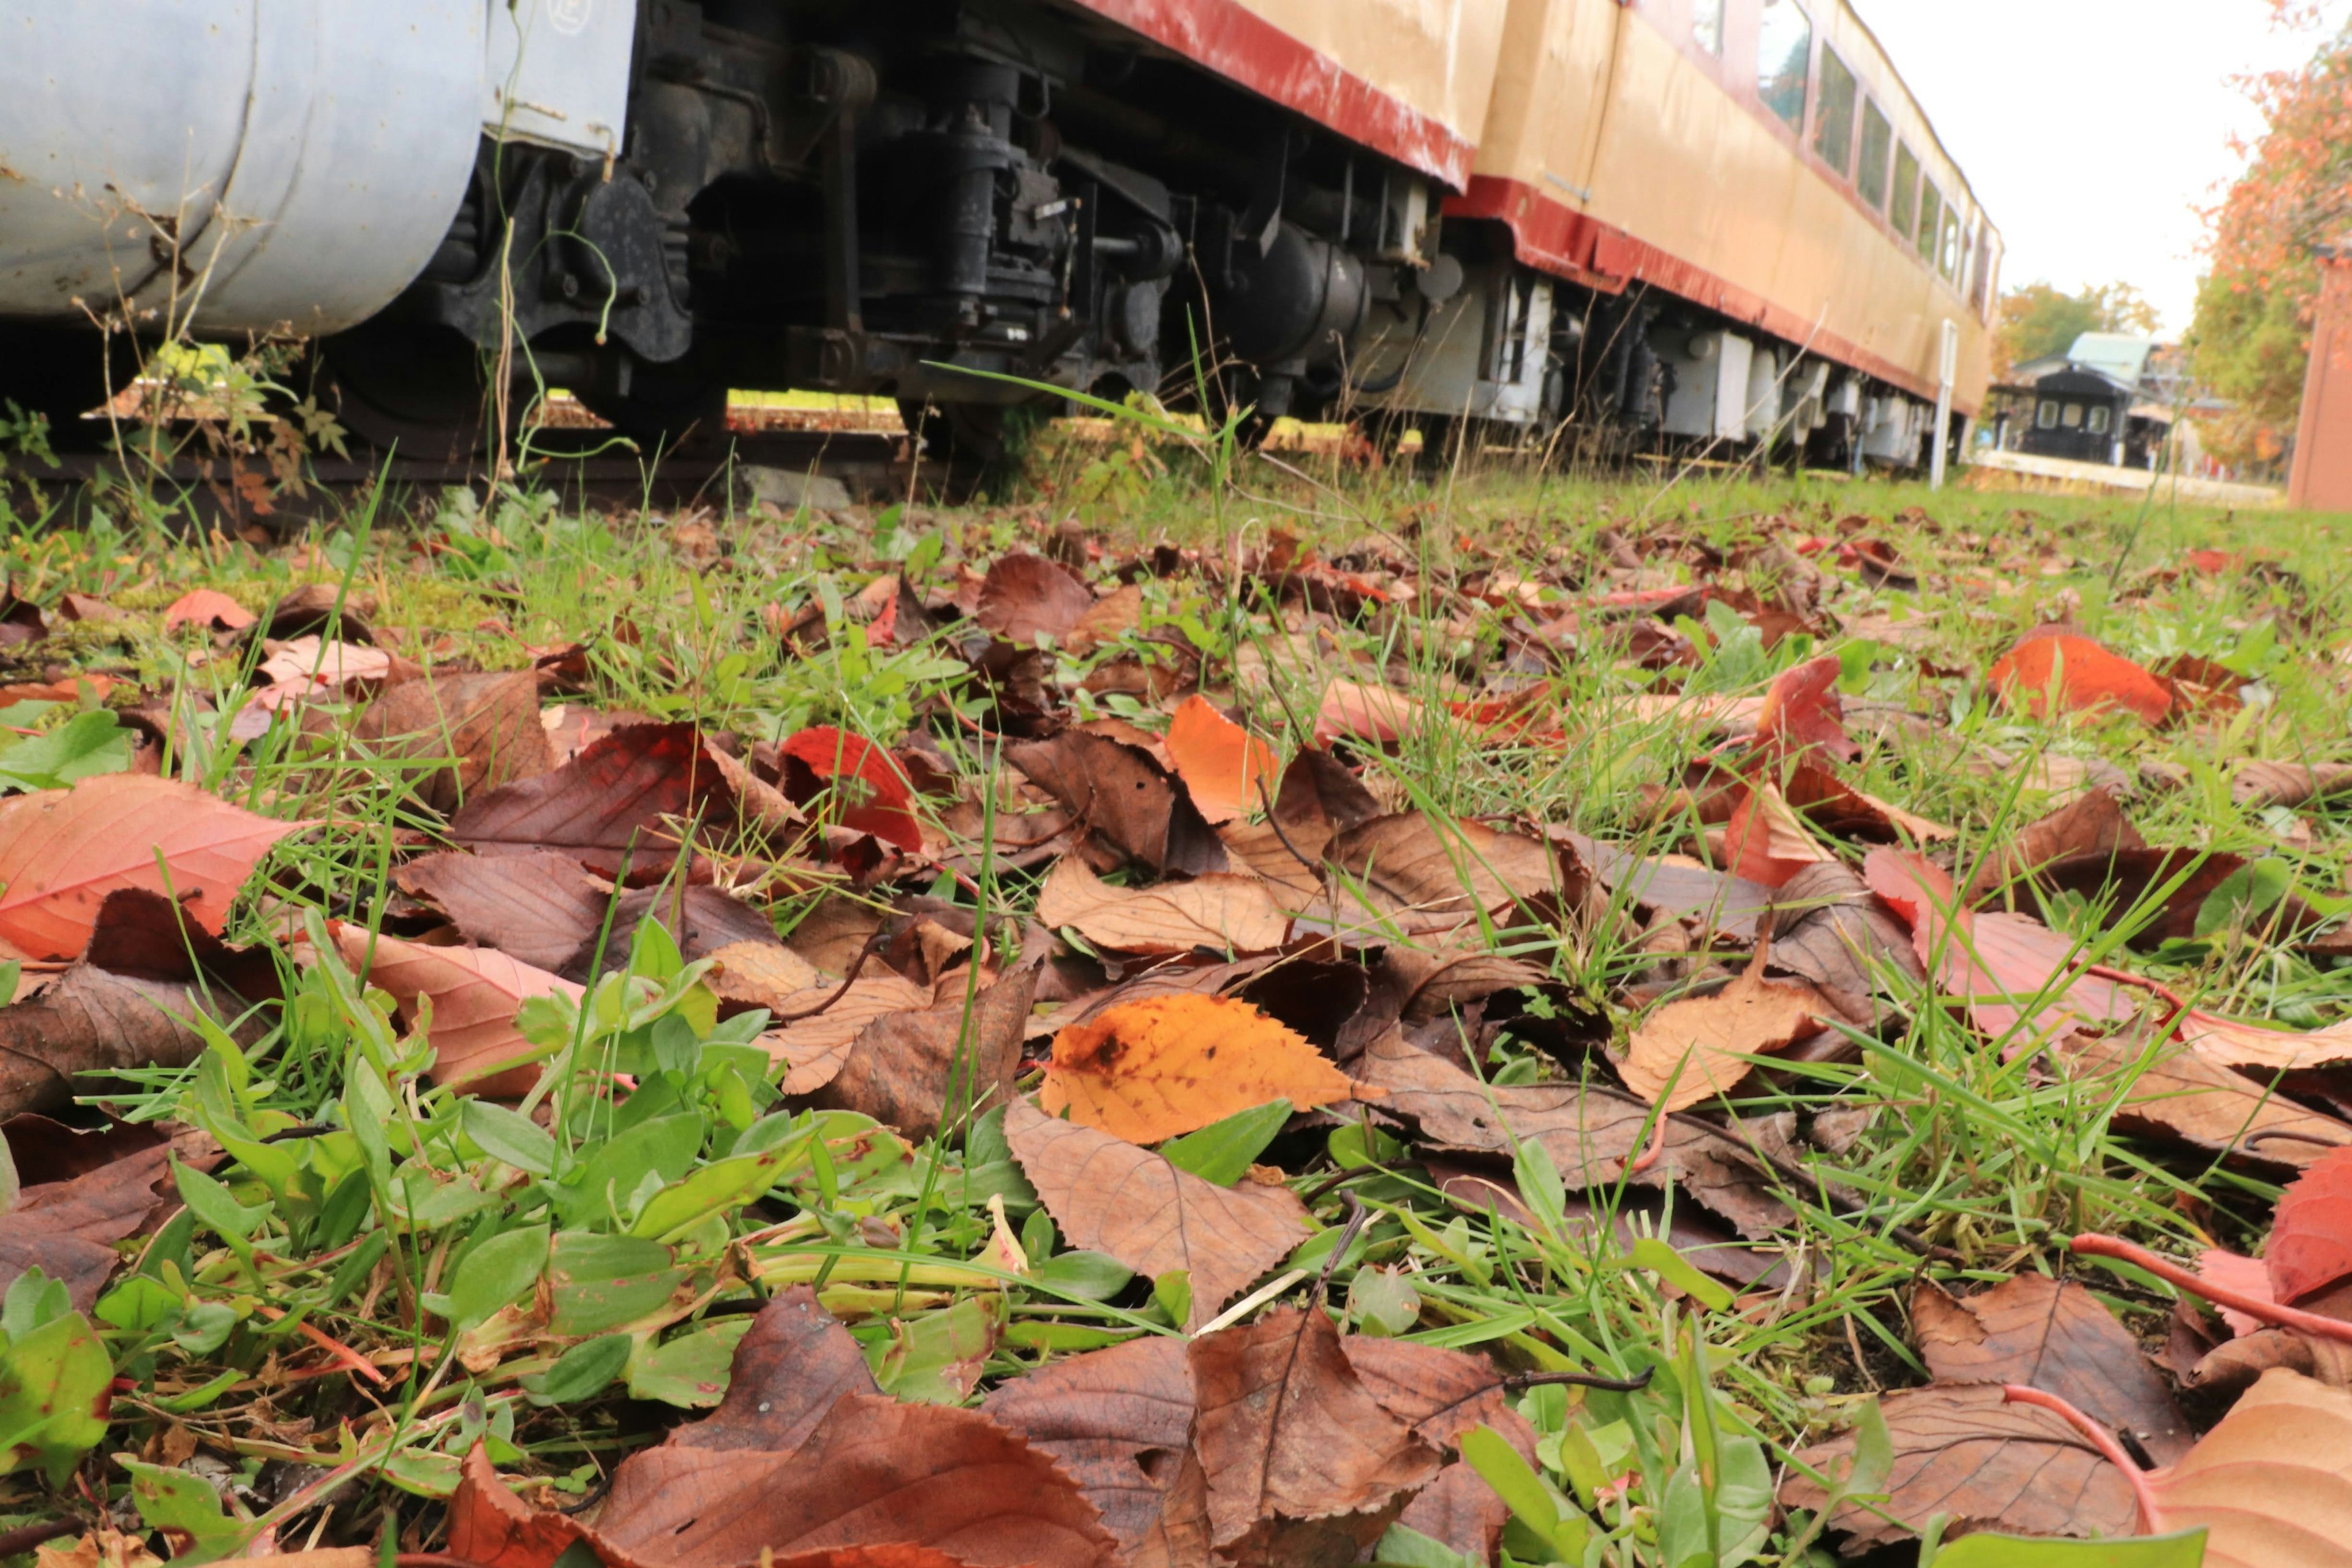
1169	1065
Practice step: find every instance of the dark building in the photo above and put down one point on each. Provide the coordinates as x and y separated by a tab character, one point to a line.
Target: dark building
2108	399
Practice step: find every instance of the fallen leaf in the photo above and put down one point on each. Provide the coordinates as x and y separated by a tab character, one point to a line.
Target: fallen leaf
611	807
2237	1043
486	725
2093	824
1318	799
1765	843
1223	912
2012	972
474	993
1026	596
1801	713
1835	806
1152	1070
1828	929
2175	1092
2231	1367
864	787
1111	1196
2090	679
2035	1330
206	607
1591	1134
1730	906
1353	711
1697	1049
1443	1394
700	919
1431	875
1223	766
1306	1469
1125	797
2271	1484
63	851
790	1367
1112	618
815	1043
759	974
1966	1453
537	906
1119	1421
315	664
920	1071
66	1229
2289	785
2310	1249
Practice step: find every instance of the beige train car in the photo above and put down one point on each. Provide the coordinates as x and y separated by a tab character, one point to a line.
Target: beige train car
1760	158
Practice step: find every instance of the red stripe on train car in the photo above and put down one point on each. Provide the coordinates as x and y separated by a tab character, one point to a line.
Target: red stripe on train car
1577	246
1246	49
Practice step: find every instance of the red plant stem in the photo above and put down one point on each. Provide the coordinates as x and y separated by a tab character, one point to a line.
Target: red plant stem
332	1346
2151	1516
2093	1245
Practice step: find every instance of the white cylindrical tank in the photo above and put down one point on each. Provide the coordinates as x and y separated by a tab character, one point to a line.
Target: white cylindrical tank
240	164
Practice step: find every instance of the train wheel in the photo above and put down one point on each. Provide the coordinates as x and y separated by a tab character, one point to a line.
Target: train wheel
416	391
63	373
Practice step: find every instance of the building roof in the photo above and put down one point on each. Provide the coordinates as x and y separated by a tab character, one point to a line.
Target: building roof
2117	355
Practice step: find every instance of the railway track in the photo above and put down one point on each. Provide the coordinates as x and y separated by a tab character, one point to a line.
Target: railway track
824	468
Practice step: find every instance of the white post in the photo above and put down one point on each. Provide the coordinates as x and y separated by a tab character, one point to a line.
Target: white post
1949	368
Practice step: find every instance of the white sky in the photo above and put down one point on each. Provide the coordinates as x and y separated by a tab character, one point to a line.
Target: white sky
2092	130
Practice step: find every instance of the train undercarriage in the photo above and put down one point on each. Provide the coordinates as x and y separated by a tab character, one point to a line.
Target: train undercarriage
956	203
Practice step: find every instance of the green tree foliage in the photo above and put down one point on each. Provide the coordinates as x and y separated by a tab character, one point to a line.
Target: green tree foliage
2250	339
2039	319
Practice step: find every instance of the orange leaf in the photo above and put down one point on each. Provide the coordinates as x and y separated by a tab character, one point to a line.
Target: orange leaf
2272	1483
2311	1240
474	993
1802	710
1220	762
1168	1065
207	606
63	850
1765	843
2089	677
1695	1049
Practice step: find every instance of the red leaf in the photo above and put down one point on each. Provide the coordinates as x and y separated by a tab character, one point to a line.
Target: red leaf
870	794
1222	764
2089	677
1802	710
63	850
2311	1239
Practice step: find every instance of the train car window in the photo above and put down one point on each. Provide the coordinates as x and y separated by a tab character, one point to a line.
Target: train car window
1784	55
1877	143
1905	212
2072	418
1949	249
1931	218
1707	25
2046	417
1980	272
1834	114
2100	415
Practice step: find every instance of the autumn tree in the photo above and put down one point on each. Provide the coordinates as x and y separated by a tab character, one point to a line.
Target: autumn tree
2250	339
2040	320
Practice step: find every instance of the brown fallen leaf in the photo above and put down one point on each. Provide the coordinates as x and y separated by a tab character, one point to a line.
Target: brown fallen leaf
816	1042
1220	912
486	724
1443	1394
1119	1421
919	1071
2175	1092
62	851
474	992
1699	1048
1111	1196
1590	1132
1319	798
1223	766
2232	1366
66	1229
2093	824
1731	906
537	906
790	1367
1306	1469
1025	597
1125	797
759	974
1968	1453
700	920
1353	711
1114	615
2288	785
1430	982
2055	1336
1828	929
2271	1484
612	806
1429	876
1153	1070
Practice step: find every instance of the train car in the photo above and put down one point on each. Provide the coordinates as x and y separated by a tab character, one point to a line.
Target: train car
1725	222
1518	211
651	201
